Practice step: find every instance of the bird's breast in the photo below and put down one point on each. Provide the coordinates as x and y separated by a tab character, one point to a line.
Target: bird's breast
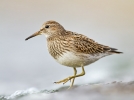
56	49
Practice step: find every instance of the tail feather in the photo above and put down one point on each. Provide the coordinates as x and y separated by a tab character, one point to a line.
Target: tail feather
118	52
113	50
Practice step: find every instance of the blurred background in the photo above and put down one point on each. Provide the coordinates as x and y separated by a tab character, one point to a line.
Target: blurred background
26	64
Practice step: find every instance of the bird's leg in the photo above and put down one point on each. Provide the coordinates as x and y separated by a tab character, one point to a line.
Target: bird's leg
72	77
75	72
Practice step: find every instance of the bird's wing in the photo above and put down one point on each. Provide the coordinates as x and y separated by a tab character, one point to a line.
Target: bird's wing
83	44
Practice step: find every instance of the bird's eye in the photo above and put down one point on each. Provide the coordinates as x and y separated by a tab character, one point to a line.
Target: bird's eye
47	26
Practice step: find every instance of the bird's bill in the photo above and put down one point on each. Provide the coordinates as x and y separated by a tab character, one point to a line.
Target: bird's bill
33	35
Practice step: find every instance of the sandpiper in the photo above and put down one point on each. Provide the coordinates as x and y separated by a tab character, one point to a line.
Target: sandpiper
72	49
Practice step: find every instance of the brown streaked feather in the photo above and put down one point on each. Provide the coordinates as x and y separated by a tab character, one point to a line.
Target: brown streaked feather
83	44
70	41
110	50
57	45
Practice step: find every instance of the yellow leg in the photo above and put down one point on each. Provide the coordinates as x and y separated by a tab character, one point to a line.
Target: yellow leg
72	77
75	72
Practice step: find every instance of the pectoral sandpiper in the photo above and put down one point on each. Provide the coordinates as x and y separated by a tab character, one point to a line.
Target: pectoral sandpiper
72	49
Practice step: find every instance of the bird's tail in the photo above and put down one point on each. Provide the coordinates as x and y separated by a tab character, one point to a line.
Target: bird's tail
113	50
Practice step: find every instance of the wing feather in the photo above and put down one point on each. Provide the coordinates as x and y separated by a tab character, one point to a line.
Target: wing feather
85	45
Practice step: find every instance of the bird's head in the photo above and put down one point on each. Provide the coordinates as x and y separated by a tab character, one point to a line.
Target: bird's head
49	28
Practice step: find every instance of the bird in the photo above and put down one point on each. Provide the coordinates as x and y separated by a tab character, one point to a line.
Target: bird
72	49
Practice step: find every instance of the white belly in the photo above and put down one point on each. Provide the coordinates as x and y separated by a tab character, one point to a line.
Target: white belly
77	60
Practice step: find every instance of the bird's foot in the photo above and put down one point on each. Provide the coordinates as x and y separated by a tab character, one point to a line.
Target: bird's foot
64	80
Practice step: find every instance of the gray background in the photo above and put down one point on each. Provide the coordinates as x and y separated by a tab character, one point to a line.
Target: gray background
26	64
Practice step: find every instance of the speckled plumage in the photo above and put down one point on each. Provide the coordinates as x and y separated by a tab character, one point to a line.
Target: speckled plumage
72	49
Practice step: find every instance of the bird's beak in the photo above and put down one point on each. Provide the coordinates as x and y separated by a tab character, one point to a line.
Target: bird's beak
33	35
